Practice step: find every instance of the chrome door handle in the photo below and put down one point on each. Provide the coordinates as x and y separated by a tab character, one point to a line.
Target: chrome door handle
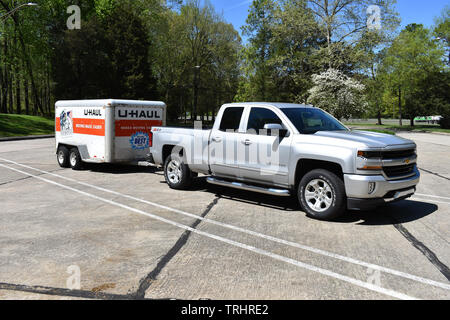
247	142
217	139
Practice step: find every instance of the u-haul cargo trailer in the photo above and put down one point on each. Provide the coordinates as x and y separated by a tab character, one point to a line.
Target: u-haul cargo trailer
105	131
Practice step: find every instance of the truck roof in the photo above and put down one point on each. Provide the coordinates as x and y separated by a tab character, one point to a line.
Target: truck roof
278	105
107	102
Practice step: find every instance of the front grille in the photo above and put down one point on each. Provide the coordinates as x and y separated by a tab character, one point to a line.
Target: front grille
397	154
399	171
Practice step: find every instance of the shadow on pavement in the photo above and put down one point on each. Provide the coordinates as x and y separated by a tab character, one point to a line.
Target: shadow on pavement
390	214
395	213
117	168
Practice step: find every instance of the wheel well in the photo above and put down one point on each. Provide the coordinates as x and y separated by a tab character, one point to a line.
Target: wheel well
168	150
306	165
63	145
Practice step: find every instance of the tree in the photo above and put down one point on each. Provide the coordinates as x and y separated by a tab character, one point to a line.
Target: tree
338	94
345	21
442	30
106	58
257	53
296	42
197	60
413	55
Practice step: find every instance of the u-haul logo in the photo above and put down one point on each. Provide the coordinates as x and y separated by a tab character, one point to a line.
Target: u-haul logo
142	114
93	112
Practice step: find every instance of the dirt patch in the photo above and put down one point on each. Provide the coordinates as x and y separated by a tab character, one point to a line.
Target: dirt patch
103	287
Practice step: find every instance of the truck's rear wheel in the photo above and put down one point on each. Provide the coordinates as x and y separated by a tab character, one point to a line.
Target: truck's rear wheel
75	159
62	155
177	173
322	195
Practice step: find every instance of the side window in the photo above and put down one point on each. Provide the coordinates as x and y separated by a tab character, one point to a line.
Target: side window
231	118
260	117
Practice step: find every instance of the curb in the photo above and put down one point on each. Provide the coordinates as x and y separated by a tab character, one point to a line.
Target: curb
26	138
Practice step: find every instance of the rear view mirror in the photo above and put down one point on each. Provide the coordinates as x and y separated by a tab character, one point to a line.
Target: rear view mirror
274	128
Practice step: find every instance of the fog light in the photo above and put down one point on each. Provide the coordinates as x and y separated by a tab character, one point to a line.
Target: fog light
372	186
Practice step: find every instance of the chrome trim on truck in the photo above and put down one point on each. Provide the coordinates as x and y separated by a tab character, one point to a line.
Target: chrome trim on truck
243	186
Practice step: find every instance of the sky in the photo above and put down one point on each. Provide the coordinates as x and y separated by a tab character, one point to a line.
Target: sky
418	11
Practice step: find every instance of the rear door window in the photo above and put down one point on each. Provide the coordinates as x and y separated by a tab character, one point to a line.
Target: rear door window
231	119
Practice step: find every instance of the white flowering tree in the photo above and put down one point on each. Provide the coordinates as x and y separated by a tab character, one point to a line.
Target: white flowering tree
337	94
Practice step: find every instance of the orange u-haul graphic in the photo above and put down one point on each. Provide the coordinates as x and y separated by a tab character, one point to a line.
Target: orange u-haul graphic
106	130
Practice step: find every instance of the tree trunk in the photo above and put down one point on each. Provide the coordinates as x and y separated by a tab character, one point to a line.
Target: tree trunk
18	97
27	99
400	104
10	92
26	57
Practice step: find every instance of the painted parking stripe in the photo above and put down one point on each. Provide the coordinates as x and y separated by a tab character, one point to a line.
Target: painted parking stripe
431	200
253	233
431	196
297	263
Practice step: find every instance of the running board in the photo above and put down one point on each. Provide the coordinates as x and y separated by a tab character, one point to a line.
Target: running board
243	186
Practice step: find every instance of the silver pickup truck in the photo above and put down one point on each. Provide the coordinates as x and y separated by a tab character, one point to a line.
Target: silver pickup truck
291	149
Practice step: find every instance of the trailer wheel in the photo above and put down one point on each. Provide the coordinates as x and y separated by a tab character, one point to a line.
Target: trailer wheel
322	195
75	159
177	173
62	155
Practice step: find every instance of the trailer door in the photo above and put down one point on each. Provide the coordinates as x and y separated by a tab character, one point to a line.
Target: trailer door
133	124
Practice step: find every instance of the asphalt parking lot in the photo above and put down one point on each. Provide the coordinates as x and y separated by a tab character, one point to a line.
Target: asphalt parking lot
131	237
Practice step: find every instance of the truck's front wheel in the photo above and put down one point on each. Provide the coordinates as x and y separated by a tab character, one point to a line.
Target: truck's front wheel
177	173
322	195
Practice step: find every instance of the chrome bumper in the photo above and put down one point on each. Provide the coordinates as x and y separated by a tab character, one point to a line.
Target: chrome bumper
357	187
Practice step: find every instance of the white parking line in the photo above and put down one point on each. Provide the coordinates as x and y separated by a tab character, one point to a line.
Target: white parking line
297	263
431	196
253	233
431	200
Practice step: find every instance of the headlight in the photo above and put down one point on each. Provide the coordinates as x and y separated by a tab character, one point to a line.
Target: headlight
369	154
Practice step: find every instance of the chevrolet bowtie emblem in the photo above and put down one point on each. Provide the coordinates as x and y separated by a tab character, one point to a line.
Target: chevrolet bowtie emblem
407	161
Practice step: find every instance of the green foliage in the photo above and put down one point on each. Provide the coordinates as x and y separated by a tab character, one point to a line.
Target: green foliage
12	125
338	94
105	59
413	60
442	30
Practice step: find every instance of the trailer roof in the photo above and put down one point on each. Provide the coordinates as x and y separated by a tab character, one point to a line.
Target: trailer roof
107	102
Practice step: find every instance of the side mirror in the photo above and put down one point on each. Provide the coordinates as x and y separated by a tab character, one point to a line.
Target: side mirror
275	127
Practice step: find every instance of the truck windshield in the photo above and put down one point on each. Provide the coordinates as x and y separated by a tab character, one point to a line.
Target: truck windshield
311	120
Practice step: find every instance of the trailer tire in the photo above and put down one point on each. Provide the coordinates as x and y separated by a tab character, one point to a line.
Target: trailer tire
177	173
322	195
62	156
75	159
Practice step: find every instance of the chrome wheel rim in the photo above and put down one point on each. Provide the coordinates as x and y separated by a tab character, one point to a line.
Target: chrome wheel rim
73	159
319	195
174	171
61	157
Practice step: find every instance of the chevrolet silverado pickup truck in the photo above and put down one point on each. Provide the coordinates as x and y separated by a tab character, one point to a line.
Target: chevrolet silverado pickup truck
291	150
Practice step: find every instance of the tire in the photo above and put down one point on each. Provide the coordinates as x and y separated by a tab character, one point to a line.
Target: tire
177	173
322	195
75	159
62	156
